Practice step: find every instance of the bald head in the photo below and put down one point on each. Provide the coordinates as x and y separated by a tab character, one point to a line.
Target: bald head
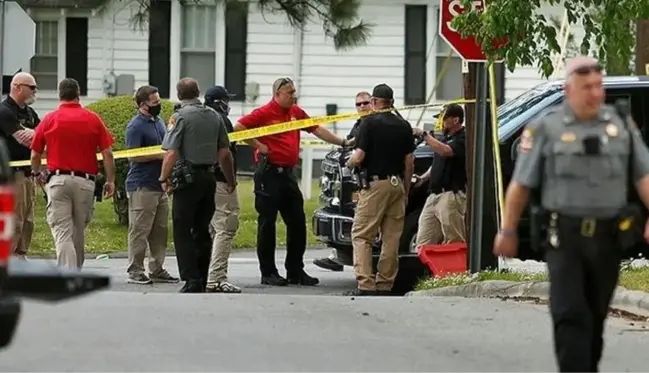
23	88
581	65
188	89
584	86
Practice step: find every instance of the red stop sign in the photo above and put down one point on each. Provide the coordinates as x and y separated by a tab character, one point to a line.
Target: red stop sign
467	48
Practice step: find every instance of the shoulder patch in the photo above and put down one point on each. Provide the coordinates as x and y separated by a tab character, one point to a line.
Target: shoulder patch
172	122
527	140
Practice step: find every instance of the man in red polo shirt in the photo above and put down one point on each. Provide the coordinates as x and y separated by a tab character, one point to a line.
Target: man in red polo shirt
276	187
72	136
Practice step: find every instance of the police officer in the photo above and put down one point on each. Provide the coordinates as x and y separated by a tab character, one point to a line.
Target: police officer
17	123
581	156
384	149
195	141
363	106
442	218
225	221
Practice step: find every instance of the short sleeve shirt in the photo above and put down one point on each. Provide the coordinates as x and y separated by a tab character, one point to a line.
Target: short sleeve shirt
283	148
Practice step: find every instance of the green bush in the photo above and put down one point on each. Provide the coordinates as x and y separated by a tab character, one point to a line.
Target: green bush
116	112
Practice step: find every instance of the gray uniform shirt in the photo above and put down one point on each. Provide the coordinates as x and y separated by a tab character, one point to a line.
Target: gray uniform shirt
552	155
197	132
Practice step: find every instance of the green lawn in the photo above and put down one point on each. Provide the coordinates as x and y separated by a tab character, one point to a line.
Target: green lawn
630	278
104	236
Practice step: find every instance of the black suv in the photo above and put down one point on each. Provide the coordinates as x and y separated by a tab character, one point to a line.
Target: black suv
332	222
19	278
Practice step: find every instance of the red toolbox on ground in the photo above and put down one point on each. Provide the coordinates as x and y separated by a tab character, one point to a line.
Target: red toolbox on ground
445	259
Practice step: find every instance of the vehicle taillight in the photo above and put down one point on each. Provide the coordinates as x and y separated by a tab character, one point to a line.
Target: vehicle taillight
7	222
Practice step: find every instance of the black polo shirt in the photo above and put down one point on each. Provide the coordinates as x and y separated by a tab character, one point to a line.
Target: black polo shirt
449	173
386	140
12	119
233	149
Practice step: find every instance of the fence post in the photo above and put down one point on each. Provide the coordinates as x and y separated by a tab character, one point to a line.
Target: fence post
307	171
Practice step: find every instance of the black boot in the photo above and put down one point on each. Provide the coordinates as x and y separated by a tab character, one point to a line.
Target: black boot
301	278
274	280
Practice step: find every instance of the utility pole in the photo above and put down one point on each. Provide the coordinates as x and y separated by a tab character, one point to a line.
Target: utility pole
642	48
469	72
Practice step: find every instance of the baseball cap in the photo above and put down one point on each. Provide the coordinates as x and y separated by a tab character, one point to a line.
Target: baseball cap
217	93
452	111
383	91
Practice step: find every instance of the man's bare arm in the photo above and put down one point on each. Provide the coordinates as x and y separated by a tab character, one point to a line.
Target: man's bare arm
326	135
252	142
170	158
36	160
409	169
516	199
226	162
356	159
109	165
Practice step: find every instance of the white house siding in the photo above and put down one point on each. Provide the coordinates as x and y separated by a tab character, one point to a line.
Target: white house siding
112	44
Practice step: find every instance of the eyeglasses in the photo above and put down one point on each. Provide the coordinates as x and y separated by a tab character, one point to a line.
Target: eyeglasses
359	104
33	87
583	70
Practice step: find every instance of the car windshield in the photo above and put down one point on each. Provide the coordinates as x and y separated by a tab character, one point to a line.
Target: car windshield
512	112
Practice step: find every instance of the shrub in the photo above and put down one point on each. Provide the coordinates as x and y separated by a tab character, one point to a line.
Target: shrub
116	112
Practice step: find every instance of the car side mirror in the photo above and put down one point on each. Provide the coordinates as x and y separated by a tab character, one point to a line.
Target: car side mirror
516	147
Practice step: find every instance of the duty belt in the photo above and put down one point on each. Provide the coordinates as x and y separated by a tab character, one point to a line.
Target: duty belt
394	180
587	226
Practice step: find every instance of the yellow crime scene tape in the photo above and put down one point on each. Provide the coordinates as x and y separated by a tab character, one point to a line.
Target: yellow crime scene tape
272	129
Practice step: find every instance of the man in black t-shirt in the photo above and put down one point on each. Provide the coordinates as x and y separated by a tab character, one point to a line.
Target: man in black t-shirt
384	149
17	123
225	221
442	218
363	106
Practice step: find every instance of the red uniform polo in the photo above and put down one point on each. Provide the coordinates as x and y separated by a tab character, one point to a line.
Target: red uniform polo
73	135
283	148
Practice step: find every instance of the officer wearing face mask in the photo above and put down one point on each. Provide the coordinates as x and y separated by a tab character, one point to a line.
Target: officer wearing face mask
148	204
225	221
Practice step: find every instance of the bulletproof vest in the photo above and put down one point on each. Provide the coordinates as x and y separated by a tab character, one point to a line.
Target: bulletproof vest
200	133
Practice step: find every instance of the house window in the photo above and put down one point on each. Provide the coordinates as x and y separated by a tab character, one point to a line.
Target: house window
198	47
236	41
44	64
415	54
450	85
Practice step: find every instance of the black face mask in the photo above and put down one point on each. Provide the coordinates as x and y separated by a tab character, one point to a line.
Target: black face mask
220	106
154	110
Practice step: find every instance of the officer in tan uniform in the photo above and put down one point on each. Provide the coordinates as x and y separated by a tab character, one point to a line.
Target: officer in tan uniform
581	156
384	149
442	218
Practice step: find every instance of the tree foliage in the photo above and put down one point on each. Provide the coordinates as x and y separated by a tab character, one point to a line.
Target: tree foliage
339	18
516	32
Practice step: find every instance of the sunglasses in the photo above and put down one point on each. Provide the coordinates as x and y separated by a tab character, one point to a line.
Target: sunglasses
33	87
283	82
359	104
584	70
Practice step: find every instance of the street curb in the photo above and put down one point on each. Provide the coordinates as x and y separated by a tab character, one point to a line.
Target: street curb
636	302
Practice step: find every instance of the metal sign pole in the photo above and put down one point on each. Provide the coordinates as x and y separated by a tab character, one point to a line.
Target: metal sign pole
478	168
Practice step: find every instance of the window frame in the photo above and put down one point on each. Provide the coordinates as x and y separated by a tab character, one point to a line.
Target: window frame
39	21
209	50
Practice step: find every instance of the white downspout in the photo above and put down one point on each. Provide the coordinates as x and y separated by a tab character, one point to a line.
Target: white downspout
298	43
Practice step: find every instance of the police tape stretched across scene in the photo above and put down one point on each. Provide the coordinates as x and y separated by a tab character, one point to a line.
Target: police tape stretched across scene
264	131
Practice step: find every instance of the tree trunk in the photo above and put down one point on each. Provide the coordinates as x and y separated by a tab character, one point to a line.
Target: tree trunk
642	48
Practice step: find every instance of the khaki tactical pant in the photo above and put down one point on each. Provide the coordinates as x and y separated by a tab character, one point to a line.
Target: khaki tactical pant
225	224
442	219
25	195
381	207
70	205
148	219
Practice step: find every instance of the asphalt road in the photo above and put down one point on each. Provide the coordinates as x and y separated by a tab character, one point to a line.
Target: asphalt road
153	328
